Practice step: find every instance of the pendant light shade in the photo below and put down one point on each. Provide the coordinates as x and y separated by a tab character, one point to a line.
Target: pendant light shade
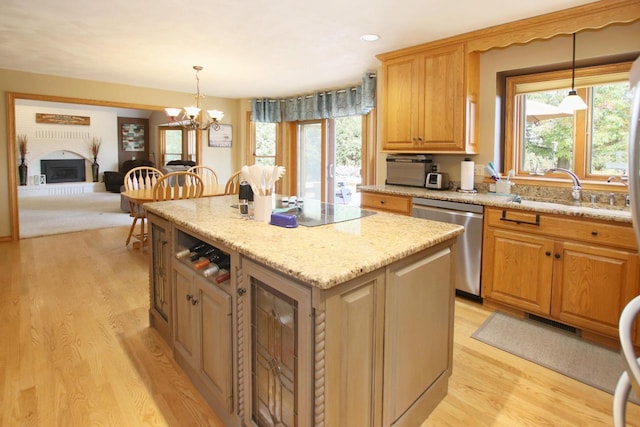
573	101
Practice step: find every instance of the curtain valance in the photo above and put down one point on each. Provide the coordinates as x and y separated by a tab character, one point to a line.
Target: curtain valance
350	101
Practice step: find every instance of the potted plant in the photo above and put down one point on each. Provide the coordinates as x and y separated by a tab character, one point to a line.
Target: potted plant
22	168
95	150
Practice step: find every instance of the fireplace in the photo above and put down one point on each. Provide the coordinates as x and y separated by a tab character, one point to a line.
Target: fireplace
68	170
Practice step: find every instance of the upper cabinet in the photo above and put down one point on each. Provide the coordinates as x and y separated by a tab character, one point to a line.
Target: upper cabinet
429	101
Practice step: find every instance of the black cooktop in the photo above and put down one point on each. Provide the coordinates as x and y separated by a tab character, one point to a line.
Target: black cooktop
315	213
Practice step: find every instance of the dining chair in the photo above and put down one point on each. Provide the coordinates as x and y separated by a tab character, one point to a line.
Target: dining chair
233	184
178	185
207	174
630	378
140	178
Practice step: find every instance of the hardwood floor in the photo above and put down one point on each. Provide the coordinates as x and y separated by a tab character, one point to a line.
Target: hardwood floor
76	350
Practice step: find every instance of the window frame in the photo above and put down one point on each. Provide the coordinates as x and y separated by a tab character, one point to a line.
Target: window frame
536	82
188	143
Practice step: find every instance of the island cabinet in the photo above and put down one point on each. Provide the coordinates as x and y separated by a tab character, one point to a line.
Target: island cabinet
575	271
429	99
373	351
315	333
159	276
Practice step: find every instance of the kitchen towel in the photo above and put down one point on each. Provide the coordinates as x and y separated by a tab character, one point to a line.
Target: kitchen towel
466	174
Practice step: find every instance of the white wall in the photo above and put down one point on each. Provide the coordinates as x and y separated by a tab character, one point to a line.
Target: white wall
59	141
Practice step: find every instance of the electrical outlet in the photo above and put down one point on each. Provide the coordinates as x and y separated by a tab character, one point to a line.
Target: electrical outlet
478	170
435	167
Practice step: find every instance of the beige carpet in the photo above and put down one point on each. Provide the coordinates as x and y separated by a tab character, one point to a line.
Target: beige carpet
44	215
554	348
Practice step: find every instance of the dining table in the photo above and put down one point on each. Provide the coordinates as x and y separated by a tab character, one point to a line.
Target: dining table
141	196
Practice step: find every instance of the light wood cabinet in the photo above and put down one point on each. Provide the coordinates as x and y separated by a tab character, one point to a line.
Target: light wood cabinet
386	202
575	271
203	335
429	101
159	276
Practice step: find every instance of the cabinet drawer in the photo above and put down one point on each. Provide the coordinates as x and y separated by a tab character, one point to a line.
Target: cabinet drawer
386	202
590	231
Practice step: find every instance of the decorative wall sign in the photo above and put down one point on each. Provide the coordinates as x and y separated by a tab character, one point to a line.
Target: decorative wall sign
132	137
222	137
63	119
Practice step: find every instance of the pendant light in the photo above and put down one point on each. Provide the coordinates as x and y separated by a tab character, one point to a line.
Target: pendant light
573	101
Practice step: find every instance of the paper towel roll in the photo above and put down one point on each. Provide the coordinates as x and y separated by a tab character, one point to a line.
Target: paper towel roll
466	174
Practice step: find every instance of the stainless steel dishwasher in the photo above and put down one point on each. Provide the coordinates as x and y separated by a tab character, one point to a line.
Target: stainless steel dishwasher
469	246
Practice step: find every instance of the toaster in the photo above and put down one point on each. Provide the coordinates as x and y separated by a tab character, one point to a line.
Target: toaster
437	181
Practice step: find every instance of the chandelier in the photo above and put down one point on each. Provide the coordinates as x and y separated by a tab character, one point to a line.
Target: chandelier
190	117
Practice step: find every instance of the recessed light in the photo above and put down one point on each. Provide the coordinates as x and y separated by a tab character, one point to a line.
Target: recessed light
369	37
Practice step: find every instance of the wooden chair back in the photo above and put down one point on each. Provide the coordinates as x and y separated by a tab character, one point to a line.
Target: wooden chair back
207	174
178	185
233	184
141	177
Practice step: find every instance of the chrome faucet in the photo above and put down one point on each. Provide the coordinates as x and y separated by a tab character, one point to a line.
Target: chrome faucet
627	200
576	189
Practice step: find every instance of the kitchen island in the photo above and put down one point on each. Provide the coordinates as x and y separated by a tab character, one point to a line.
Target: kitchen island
348	323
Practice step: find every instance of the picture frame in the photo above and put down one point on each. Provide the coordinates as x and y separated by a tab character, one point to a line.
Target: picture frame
133	136
222	137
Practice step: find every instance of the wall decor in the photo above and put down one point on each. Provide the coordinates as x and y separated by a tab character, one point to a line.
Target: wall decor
132	136
63	119
222	137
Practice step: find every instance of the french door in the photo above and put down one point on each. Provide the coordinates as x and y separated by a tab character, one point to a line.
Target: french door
329	160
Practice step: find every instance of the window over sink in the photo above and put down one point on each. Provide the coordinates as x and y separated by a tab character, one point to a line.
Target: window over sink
592	142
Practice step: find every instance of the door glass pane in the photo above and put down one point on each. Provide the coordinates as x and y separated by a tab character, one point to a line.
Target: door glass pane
610	129
548	132
348	159
310	161
274	367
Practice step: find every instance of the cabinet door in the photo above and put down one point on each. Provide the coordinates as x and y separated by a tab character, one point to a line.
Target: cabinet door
442	109
591	286
517	269
400	120
418	342
277	371
159	271
213	307
184	322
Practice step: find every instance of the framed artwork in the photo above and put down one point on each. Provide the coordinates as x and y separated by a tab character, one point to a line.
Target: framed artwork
133	136
222	137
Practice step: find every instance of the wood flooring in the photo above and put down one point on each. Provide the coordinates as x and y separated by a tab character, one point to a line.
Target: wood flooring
76	350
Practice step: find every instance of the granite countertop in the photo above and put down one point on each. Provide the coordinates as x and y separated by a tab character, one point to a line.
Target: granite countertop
321	256
586	210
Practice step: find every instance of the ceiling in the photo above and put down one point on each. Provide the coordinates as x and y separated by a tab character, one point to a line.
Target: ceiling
248	48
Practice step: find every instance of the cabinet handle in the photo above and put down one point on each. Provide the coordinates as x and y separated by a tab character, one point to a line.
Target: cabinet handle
548	253
194	301
241	291
557	256
594	233
382	202
189	297
517	221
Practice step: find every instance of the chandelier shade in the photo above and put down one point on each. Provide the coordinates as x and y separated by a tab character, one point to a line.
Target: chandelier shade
191	117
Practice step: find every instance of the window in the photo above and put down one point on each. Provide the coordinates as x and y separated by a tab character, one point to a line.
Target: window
592	142
265	143
176	144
